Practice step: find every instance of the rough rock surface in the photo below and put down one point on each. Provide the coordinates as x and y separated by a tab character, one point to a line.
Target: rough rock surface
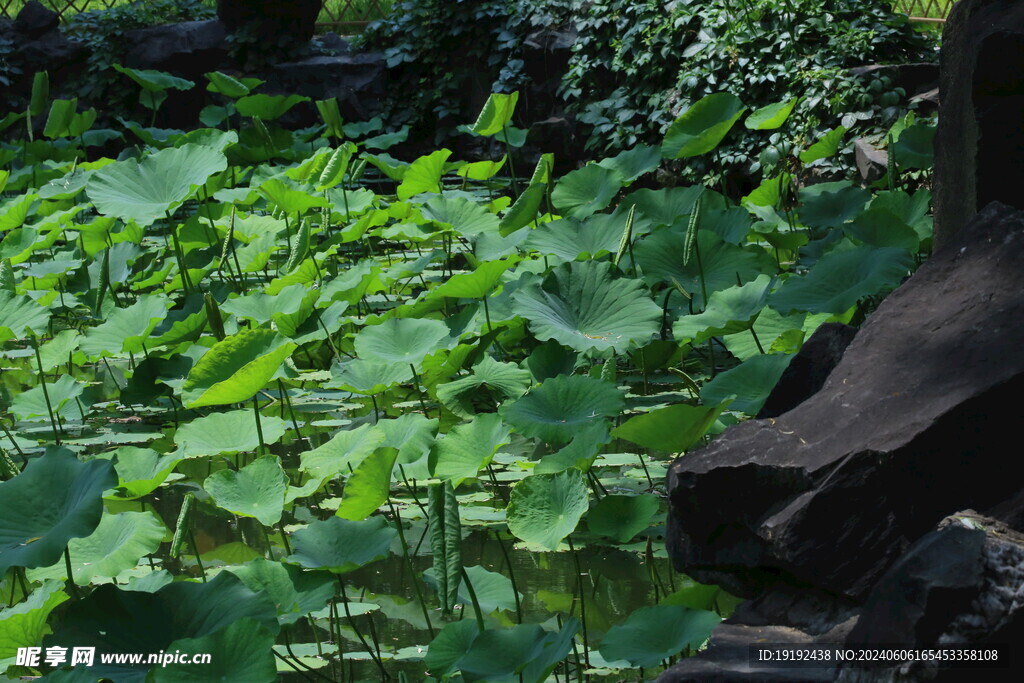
807	372
357	81
272	19
977	146
825	515
189	48
35	20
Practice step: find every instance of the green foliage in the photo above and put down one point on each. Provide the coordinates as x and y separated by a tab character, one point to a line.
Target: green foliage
635	63
103	31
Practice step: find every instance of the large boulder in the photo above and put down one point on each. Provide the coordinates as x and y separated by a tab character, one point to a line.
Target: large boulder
34	20
358	81
189	48
977	147
908	428
280	23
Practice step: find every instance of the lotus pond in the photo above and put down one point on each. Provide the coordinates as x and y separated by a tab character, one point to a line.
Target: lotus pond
277	396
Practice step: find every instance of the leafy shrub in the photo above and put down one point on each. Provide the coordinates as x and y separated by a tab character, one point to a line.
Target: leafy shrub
636	65
102	31
439	47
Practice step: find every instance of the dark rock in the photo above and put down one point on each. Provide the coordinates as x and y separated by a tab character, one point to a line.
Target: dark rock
962	584
1010	512
332	43
52	52
188	49
34	20
728	658
913	78
935	579
358	82
293	21
979	136
910	425
872	162
809	369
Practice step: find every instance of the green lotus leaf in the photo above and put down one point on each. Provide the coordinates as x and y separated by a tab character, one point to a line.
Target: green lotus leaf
703	126
507	380
475	284
769	326
242	651
551	359
482	170
836	282
230	432
261	307
345	450
915	147
675	428
268	107
24	624
580	453
652	634
583	306
622	517
524	210
496	114
116	620
368	486
257	490
586	191
147	190
116	545
465	217
423	175
226	85
729	311
664	207
363	376
56	498
830	205
523	652
826	146
153	80
401	340
661	254
468	448
126	330
411	435
569	239
880	227
235	368
633	163
562	405
21	317
493	591
31	405
341	545
294	591
141	470
749	383
772	116
545	508
283	194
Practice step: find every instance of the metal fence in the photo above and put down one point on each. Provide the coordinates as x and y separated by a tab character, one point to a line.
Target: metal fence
925	10
359	12
335	12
